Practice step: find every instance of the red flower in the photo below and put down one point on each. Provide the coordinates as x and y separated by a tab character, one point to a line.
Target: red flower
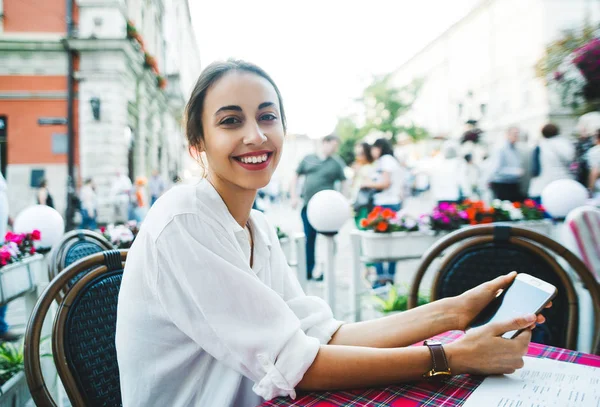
382	227
529	203
388	213
102	229
32	250
517	204
364	223
36	235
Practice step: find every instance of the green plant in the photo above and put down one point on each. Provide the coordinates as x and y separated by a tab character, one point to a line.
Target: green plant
11	361
397	300
281	234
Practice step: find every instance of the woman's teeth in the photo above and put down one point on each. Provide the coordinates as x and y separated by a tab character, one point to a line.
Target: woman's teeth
257	159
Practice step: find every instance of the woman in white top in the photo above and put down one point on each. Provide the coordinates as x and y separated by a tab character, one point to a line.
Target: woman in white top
388	178
209	312
555	156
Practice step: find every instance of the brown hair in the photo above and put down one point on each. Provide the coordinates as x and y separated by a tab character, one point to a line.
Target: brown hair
550	130
211	74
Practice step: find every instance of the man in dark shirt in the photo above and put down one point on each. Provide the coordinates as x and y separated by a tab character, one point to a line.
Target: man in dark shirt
321	172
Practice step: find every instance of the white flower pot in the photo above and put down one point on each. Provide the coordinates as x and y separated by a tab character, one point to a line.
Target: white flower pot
19	278
544	227
396	244
15	391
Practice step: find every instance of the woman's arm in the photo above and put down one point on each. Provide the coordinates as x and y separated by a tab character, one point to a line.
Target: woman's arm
385	182
454	313
481	351
401	329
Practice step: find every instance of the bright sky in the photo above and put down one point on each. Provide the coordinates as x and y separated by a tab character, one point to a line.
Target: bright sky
321	53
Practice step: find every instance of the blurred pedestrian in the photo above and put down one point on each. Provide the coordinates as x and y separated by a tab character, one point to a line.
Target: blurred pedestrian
551	160
140	201
156	185
120	193
593	161
89	205
587	126
469	178
507	169
321	172
362	167
387	178
43	196
444	175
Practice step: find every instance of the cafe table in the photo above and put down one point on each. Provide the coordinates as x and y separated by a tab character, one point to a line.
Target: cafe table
451	393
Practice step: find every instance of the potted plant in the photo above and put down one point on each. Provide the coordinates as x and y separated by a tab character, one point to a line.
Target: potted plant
386	234
19	264
396	300
121	236
14	390
529	215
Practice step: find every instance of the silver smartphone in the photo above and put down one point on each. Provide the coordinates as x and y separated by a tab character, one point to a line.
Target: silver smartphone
526	295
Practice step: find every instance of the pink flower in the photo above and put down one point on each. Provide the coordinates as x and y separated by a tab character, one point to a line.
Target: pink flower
36	235
4	256
32	250
18	239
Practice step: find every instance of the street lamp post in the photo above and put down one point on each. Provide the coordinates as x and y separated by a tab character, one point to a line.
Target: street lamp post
327	212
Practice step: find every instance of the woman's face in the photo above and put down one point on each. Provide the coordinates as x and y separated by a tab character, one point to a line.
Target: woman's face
359	154
375	152
243	132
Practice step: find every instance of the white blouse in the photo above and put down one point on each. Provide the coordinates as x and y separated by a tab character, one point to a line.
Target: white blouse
196	326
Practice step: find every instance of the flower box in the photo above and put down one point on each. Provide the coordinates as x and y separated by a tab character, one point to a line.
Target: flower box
396	245
544	227
15	391
18	278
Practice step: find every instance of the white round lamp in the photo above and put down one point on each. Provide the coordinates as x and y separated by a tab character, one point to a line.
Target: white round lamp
43	218
562	196
327	211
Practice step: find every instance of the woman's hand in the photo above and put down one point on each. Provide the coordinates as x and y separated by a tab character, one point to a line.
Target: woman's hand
472	302
483	350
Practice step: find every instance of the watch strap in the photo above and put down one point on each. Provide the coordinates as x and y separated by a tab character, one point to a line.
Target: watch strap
439	361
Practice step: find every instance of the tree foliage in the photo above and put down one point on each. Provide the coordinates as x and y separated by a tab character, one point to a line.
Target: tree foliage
383	105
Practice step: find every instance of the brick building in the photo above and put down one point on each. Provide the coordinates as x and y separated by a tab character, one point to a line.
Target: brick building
134	63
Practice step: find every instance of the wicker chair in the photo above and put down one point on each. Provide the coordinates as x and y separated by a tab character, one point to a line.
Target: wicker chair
83	335
488	251
73	246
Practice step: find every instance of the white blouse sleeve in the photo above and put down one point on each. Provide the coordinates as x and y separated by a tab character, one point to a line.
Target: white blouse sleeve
315	315
212	296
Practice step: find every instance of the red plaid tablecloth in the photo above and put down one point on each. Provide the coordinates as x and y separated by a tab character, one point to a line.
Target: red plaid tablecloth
451	393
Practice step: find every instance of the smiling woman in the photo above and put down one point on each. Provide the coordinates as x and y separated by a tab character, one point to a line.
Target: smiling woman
210	308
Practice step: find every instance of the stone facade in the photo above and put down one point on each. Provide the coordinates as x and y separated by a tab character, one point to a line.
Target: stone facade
110	70
483	68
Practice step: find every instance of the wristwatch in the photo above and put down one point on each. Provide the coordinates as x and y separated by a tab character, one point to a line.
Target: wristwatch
440	368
